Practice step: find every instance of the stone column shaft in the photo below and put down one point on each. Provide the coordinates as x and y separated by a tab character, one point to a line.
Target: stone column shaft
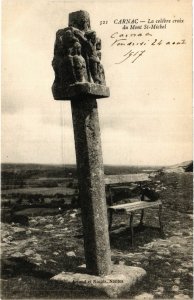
91	185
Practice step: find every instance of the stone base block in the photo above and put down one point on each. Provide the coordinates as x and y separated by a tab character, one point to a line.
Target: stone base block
119	281
80	90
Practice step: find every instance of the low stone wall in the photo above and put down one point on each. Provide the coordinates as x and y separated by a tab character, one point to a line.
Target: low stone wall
176	191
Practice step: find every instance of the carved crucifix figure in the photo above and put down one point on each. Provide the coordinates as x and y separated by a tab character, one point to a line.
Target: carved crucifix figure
76	54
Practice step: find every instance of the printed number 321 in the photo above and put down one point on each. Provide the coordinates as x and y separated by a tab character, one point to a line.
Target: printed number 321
103	22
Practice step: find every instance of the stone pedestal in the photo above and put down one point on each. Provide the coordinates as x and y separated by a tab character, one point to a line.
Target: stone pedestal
121	279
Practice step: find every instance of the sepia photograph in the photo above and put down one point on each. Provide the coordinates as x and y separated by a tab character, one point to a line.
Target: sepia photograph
96	149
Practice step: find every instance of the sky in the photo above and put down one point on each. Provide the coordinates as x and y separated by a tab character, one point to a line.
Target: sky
147	120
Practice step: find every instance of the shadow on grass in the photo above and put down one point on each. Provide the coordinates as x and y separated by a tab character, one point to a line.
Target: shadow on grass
120	239
16	266
23	279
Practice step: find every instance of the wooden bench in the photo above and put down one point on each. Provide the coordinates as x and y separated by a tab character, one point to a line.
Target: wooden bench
114	182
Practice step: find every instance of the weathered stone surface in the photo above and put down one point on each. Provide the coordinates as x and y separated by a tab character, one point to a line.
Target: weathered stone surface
91	185
80	19
72	91
119	281
77	55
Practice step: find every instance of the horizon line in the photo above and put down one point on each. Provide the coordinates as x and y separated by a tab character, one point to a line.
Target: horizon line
74	164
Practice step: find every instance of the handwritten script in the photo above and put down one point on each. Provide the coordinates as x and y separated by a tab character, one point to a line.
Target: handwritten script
138	44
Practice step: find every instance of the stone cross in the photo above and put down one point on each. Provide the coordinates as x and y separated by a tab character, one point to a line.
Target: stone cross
79	77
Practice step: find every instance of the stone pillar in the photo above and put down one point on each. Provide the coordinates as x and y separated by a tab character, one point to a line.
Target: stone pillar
80	78
91	185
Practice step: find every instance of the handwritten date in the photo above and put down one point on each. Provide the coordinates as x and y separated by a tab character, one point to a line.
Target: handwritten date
134	55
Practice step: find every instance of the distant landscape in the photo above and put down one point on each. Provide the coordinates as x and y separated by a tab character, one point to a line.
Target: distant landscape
36	185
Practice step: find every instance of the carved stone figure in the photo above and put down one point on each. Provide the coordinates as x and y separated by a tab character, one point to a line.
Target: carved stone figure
91	51
68	75
68	40
79	63
101	73
77	54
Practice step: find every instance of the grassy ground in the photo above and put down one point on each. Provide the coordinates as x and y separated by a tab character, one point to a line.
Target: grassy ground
51	244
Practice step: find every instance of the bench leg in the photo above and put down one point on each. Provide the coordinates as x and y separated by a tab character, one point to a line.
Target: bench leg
131	228
141	219
110	214
160	221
